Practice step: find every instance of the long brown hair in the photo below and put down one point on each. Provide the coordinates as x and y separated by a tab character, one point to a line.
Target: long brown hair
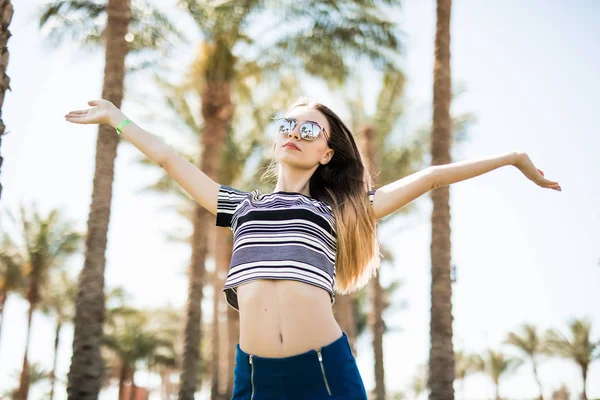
343	183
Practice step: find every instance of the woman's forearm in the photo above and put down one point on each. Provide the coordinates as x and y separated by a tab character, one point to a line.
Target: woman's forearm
447	174
152	146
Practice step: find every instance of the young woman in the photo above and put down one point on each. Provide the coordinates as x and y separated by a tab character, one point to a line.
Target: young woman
294	248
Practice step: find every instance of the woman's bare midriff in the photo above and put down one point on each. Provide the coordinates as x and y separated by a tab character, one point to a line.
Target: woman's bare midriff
282	318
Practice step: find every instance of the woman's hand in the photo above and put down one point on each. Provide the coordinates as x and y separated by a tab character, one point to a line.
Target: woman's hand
525	165
104	112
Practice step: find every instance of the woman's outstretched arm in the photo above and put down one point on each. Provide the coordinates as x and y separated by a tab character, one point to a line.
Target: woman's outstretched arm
199	185
447	174
396	195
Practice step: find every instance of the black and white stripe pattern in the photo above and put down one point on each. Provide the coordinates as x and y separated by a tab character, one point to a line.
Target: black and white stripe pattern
281	235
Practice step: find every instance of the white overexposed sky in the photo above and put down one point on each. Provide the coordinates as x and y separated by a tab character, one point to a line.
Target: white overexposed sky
523	254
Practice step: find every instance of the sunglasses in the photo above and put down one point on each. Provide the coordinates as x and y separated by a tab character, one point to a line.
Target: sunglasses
308	130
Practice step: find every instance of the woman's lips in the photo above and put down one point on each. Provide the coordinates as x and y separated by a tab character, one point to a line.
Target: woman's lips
291	146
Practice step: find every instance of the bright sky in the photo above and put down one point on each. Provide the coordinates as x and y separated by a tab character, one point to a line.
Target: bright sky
523	254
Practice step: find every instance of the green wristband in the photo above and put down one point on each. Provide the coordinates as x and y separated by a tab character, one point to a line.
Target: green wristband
121	125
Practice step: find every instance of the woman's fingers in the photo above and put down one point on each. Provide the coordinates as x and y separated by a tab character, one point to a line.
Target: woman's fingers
76	117
542	181
77	120
96	114
552	185
76	113
549	182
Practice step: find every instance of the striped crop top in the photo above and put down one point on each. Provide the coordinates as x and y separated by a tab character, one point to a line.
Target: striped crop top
280	235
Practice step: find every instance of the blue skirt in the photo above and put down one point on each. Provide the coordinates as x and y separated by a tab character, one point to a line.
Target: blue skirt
330	373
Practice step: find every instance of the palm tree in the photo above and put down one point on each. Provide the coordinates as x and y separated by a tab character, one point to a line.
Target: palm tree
11	273
249	123
465	365
388	163
223	24
130	336
562	393
579	348
6	13
116	306
45	243
168	321
496	365
117	311
532	344
373	132
441	353
361	301
85	373
36	375
58	300
419	381
122	28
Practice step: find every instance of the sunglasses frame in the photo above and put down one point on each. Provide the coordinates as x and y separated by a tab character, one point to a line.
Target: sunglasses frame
294	123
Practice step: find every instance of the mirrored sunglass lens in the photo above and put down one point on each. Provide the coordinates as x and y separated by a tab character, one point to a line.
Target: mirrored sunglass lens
284	126
309	131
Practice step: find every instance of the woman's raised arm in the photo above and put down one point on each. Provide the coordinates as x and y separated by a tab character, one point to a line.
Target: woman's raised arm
199	185
396	195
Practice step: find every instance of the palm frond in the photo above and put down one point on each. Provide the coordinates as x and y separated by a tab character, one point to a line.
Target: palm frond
81	21
11	265
353	31
528	340
62	8
151	29
389	107
58	297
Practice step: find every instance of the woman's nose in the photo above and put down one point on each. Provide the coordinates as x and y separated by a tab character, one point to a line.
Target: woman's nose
294	132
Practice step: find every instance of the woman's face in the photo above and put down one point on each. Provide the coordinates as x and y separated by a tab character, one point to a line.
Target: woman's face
310	153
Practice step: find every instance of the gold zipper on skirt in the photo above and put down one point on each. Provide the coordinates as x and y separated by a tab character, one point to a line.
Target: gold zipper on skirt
323	370
252	377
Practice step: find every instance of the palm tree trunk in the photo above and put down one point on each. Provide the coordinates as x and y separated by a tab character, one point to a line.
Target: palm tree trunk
6	14
584	372
233	329
216	345
343	311
377	328
163	385
369	145
122	378
86	371
132	386
222	248
217	111
233	322
537	379
168	386
497	390
165	378
441	353
3	297
23	391
53	372
192	333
